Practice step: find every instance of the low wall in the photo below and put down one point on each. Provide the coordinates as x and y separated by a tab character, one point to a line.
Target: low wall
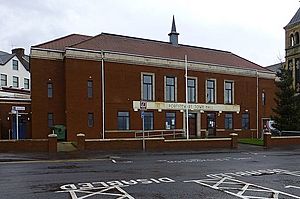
30	145
283	141
155	144
39	145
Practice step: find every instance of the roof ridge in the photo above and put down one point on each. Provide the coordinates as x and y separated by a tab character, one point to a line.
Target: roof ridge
60	38
164	42
91	37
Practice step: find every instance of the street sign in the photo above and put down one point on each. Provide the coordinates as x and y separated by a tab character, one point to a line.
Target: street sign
143	105
18	108
142	114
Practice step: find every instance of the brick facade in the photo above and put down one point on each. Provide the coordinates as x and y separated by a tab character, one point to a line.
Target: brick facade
69	71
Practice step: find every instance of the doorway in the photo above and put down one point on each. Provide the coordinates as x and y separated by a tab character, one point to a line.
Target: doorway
192	124
211	124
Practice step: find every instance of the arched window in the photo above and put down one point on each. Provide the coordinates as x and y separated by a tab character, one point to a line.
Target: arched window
292	42
296	38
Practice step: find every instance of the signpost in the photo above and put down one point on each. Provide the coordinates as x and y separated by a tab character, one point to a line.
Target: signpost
143	107
15	110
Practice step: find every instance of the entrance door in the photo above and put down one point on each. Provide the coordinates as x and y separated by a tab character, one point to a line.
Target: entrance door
211	124
192	124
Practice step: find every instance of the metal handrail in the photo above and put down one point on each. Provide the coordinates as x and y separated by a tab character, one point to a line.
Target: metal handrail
153	133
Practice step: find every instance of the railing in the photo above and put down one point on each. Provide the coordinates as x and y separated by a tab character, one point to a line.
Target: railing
160	133
289	133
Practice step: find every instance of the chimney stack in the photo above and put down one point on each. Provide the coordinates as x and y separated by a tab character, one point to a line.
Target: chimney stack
19	52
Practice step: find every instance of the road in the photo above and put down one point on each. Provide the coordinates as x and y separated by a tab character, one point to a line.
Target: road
206	174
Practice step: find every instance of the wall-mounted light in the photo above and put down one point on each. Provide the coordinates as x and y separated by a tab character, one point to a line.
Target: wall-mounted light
159	110
8	118
135	109
90	77
181	111
201	111
246	110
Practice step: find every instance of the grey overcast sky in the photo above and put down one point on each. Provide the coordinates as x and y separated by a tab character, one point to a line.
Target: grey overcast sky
252	29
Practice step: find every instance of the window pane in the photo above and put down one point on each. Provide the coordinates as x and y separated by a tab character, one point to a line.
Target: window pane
50	90
3	80
170	120
90	88
123	120
50	119
191	90
90	119
148	120
147	87
170	89
228	121
15	65
15	82
26	83
245	121
210	91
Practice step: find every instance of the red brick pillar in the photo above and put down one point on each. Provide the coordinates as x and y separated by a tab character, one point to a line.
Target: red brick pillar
52	143
80	141
267	140
234	140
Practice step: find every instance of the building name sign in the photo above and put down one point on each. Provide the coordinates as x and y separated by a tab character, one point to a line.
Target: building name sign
191	107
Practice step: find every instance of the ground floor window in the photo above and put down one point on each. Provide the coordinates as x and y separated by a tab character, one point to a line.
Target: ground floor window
148	121
123	120
90	119
50	120
170	120
245	121
228	121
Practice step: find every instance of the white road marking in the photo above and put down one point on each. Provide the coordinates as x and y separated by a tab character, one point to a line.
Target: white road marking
291	186
231	186
205	160
113	161
108	191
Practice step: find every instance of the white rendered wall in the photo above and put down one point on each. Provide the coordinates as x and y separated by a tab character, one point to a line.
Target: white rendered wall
21	73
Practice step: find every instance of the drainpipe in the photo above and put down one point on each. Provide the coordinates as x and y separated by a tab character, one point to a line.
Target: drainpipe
257	97
103	95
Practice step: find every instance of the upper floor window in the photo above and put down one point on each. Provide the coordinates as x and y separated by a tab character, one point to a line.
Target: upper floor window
26	83
263	98
191	86
90	88
15	82
292	40
15	64
210	91
170	120
90	119
123	120
50	90
245	121
147	89
296	38
3	80
170	89
228	92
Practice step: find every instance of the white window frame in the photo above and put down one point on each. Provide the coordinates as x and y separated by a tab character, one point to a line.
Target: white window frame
175	88
14	60
13	82
153	85
230	81
28	83
196	87
4	75
215	99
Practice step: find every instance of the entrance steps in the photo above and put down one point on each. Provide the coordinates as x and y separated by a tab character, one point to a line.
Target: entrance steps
66	147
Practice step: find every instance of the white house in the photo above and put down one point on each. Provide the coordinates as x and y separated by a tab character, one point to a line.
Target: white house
14	75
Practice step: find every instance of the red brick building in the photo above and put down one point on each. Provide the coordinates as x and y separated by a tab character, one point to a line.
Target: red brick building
94	85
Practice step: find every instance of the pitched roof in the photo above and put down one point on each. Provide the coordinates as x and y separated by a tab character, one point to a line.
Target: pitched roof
5	57
147	47
63	42
139	46
275	67
295	19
